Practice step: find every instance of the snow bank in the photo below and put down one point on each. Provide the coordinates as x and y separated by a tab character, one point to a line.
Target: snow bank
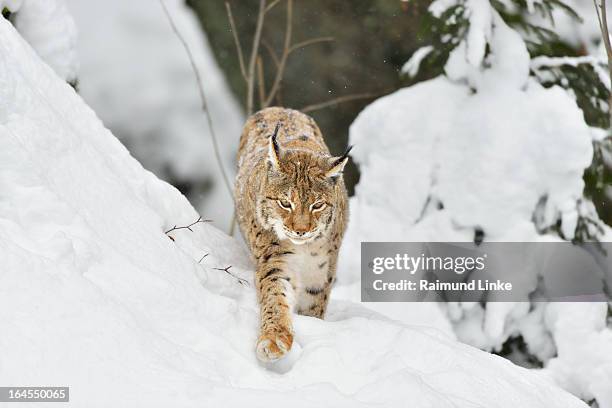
481	160
48	27
95	296
136	76
583	365
498	154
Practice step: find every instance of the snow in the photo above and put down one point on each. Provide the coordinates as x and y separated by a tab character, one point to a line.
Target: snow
11	5
508	62
599	65
437	7
498	153
585	33
584	362
424	164
411	67
48	27
480	15
136	76
531	5
425	161
95	296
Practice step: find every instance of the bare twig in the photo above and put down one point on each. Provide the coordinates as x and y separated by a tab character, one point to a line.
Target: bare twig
202	97
598	16
283	60
271	5
230	17
260	81
233	224
311	41
199	220
226	270
340	99
254	53
248	75
279	96
602	19
271	52
603	25
280	64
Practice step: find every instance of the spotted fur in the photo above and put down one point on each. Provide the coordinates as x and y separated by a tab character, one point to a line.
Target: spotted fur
291	206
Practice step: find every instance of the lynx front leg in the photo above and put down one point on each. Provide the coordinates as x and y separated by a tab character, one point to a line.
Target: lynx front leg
275	292
314	296
316	299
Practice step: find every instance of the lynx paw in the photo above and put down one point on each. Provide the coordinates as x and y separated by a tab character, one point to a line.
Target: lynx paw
273	346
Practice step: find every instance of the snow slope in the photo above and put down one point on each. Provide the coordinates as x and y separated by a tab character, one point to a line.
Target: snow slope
136	75
94	295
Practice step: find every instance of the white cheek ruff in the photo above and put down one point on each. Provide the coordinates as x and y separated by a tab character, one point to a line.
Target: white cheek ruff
300	242
277	226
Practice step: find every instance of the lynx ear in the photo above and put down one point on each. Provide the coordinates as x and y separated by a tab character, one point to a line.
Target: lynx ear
273	149
338	163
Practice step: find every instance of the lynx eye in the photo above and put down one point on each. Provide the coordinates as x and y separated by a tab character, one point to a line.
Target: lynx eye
318	206
284	204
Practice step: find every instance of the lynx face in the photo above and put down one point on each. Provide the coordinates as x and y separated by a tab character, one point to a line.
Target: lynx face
299	192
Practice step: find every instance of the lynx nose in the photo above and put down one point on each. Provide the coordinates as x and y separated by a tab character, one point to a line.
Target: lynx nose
301	225
300	230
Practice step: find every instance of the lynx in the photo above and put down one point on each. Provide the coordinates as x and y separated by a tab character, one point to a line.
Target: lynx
291	206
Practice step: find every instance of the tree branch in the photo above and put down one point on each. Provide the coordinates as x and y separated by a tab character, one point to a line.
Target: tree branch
254	53
336	101
249	76
260	81
199	220
202	97
606	32
230	17
283	61
312	41
271	5
271	51
598	16
602	19
226	270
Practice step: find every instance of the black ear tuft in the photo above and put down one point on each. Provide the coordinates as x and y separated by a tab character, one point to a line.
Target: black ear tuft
274	148
274	135
340	159
338	163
